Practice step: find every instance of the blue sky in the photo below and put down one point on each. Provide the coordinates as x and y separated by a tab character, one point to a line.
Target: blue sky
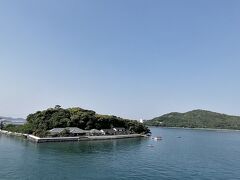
132	58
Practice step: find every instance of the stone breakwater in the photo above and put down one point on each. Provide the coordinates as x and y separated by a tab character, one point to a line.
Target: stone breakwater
36	139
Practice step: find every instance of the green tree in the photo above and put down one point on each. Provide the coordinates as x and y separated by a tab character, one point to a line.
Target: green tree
40	122
1	125
57	107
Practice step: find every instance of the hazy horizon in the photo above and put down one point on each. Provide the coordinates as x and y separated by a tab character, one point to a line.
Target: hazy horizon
134	59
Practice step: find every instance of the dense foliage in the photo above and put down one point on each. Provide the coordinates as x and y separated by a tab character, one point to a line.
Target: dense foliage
196	119
42	121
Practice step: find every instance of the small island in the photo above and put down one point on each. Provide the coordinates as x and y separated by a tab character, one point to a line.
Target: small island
75	124
196	119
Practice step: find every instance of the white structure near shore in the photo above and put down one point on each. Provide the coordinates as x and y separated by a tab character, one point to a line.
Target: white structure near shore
36	139
82	138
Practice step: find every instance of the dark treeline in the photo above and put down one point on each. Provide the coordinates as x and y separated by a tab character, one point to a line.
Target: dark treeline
40	122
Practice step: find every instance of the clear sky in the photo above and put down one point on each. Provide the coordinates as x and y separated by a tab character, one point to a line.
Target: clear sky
131	58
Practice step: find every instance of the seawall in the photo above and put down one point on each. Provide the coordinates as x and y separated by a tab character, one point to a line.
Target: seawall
36	139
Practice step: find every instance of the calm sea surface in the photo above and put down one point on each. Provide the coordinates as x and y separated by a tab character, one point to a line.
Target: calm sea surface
182	154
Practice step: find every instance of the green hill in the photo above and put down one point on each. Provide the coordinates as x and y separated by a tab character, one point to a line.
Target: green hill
196	119
40	122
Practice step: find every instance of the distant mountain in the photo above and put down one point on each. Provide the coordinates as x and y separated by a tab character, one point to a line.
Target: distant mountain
11	120
196	119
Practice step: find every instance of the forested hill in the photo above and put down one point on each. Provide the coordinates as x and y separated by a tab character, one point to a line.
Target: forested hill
40	122
196	119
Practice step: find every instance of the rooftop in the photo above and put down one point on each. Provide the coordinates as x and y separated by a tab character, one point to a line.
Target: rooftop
73	130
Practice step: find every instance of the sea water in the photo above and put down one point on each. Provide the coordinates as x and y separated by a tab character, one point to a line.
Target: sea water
181	154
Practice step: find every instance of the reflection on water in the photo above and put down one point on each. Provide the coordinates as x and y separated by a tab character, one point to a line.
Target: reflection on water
196	155
89	147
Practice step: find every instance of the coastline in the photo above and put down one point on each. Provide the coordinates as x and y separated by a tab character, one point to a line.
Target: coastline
36	139
205	129
13	133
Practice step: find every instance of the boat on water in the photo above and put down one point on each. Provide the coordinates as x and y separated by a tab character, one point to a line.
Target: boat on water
157	138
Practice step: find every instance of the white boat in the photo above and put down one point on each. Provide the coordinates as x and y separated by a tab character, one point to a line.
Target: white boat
157	138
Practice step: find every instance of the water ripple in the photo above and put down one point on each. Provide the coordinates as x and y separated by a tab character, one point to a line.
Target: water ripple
197	155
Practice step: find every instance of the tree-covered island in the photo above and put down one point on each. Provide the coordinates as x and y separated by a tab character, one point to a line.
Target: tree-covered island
40	122
196	119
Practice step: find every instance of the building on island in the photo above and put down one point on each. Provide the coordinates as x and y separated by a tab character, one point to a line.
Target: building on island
74	131
107	131
95	132
120	131
115	131
55	131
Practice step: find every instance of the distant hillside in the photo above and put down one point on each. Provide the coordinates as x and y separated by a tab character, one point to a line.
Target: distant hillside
196	119
11	120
